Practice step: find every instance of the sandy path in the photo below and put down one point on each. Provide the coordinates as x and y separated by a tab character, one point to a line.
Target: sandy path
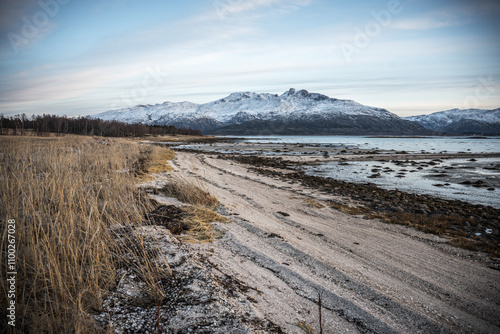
372	277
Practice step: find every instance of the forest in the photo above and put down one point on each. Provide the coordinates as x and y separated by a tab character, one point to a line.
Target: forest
43	125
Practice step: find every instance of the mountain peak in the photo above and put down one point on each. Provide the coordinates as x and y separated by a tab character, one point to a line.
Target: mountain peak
294	112
294	92
461	121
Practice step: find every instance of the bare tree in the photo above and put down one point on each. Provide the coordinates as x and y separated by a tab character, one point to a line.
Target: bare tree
23	119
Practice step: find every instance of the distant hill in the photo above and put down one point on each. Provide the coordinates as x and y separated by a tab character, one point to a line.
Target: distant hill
461	121
292	113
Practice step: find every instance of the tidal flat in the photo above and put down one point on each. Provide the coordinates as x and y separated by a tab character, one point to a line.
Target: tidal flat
466	169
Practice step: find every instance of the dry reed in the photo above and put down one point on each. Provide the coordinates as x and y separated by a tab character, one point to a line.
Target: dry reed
200	215
191	192
72	198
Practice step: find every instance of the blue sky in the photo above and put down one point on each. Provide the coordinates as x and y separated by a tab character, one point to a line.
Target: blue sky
70	57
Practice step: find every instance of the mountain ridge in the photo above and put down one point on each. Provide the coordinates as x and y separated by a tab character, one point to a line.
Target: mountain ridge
461	121
293	112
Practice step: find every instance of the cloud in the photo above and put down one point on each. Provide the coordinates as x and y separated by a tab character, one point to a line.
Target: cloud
227	8
458	14
424	23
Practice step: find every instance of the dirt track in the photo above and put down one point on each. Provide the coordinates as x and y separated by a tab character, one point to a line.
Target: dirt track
372	277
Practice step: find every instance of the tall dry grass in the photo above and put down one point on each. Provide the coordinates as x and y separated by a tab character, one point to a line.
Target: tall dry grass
193	191
201	211
72	199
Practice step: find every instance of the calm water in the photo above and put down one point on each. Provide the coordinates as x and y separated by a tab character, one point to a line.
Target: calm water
428	144
443	178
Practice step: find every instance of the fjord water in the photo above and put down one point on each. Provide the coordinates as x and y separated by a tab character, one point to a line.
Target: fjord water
442	178
408	144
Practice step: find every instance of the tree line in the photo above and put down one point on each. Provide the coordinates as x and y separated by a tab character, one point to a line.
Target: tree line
43	125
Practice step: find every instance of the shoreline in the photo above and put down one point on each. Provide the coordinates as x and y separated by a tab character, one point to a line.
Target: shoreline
459	220
469	225
288	239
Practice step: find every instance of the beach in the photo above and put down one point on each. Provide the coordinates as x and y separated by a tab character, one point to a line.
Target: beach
297	258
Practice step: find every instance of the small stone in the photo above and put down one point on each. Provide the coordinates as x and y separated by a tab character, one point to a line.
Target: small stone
397	209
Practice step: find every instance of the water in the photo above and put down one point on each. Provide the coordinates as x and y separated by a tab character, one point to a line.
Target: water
415	145
442	178
476	181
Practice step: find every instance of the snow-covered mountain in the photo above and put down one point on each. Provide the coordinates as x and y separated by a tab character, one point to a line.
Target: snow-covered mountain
293	112
461	121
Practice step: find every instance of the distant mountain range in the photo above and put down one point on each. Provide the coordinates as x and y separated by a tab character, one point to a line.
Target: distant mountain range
303	113
462	121
292	113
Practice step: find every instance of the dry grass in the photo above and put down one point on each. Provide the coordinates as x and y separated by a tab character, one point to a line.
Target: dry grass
201	215
192	192
159	158
305	327
312	203
200	223
72	200
351	210
152	160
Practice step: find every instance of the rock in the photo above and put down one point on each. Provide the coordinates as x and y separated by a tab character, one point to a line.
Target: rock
284	214
396	209
273	235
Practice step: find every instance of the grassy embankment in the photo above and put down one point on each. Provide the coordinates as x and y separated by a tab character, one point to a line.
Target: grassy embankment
78	216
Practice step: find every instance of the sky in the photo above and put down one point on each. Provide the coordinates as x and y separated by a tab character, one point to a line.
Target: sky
69	57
